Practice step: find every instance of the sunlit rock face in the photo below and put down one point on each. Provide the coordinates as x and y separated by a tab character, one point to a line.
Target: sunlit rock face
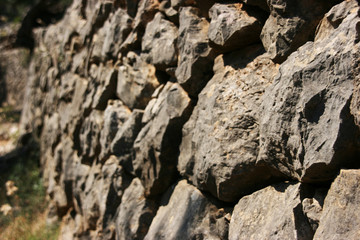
199	119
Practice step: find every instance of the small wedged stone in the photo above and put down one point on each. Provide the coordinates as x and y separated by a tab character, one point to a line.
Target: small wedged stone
307	131
90	135
195	55
136	81
135	214
220	141
231	27
290	25
156	146
274	212
159	43
340	217
122	145
115	116
188	215
313	206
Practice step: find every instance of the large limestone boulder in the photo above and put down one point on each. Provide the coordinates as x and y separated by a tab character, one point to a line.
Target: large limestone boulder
340	218
156	146
221	139
306	129
188	215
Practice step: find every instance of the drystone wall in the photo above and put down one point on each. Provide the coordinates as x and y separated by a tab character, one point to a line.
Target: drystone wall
200	119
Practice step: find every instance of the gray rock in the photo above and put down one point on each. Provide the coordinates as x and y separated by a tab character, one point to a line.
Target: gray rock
136	82
114	180
51	133
145	13
71	114
105	87
122	145
96	15
115	115
159	42
135	213
89	136
62	174
274	212
79	62
231	27
120	25
307	131
89	199
98	41
67	86
188	215
290	25
340	217
334	17
102	194
195	55
156	146
220	142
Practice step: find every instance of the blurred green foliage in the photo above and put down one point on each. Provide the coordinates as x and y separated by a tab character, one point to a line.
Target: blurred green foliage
15	10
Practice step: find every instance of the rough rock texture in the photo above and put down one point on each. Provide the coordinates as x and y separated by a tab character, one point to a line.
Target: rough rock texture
290	25
221	138
159	43
155	146
186	119
188	215
135	214
195	54
307	131
232	27
340	216
136	81
277	209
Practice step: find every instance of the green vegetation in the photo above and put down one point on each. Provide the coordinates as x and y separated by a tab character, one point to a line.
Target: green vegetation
26	218
15	10
9	114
